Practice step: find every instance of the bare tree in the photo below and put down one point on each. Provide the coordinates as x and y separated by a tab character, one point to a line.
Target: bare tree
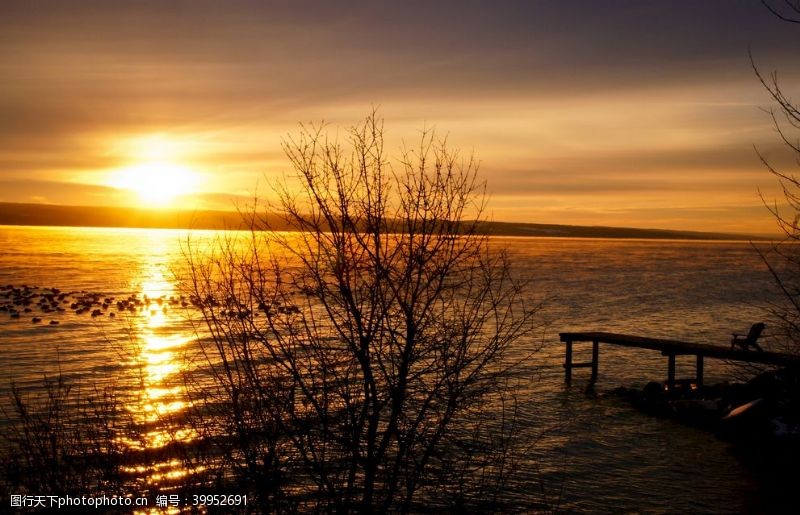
362	357
783	259
786	10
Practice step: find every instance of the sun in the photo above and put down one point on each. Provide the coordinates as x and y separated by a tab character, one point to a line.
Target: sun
157	183
156	170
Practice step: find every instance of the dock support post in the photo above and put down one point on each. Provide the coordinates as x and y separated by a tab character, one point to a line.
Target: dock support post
699	371
595	359
671	372
568	363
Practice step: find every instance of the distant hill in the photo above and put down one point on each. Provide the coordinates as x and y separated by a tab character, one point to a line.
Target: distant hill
85	216
581	231
102	216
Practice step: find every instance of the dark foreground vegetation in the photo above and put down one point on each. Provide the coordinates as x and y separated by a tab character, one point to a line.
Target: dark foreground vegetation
357	364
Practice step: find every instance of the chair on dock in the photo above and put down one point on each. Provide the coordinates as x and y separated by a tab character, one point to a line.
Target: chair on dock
750	340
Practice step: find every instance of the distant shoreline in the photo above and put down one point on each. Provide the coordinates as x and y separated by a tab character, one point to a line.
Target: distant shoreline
37	215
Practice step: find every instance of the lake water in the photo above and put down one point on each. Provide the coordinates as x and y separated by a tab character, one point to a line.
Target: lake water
596	453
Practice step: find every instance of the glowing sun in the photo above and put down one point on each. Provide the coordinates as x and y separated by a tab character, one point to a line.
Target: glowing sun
157	183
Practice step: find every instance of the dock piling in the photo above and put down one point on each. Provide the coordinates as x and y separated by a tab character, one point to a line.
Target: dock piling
671	371
568	363
699	371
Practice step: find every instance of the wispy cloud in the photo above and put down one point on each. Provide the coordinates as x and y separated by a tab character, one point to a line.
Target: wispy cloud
576	107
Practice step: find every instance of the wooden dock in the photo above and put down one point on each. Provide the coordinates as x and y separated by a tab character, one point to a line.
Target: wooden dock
669	348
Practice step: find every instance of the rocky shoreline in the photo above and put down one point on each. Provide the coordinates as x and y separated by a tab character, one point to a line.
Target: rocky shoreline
765	408
759	418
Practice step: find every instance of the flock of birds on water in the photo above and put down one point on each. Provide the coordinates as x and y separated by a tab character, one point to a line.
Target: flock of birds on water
40	303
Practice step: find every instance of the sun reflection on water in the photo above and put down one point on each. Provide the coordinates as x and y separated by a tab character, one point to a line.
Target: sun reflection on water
160	345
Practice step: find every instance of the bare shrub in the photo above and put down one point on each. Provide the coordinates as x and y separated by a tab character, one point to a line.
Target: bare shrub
358	361
63	441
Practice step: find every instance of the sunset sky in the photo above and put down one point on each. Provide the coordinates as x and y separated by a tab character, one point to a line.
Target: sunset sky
626	113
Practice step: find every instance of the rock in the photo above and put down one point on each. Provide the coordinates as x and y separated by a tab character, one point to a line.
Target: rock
782	428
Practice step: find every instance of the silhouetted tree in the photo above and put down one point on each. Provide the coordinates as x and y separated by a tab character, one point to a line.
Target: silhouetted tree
784	258
786	10
360	360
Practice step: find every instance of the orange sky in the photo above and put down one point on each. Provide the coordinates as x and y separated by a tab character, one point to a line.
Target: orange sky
631	115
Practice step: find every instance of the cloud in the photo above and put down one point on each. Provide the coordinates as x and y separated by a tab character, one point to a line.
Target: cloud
56	192
568	99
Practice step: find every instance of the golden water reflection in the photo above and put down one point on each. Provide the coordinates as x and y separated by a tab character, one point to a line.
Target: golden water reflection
160	344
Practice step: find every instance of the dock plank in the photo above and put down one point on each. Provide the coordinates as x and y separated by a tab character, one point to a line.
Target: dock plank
676	347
